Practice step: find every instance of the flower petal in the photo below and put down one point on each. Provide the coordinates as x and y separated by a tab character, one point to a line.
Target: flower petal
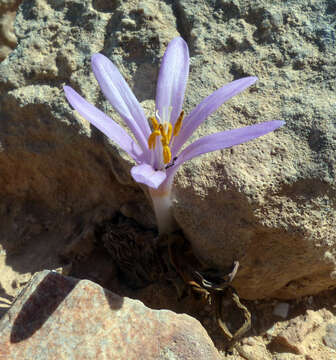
104	123
145	174
172	80
119	94
208	106
226	139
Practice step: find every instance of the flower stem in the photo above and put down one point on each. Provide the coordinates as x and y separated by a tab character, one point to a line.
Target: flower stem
162	203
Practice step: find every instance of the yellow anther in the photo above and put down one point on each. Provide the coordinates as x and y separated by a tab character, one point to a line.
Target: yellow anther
166	154
154	122
169	131
165	138
156	132
165	132
178	124
152	139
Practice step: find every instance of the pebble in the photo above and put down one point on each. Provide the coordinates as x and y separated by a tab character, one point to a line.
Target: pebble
330	337
128	22
281	309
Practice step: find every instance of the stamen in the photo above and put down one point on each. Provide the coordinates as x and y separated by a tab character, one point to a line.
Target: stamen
152	139
166	154
165	131
156	132
157	115
169	131
154	122
165	144
178	124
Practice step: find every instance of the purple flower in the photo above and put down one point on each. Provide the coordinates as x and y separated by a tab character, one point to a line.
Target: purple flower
157	149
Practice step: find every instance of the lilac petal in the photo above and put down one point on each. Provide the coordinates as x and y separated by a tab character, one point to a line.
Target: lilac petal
104	123
172	80
121	97
145	174
226	139
208	106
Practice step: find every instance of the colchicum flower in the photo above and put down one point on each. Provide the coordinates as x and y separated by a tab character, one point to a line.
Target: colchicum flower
157	148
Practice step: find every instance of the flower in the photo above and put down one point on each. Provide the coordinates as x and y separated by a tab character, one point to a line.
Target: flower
157	149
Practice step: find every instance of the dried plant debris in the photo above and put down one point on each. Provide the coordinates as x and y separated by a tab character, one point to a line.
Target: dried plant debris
143	258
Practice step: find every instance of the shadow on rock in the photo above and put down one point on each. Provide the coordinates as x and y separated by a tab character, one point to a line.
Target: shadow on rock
41	304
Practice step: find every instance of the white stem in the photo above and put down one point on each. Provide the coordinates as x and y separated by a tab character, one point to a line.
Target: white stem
162	203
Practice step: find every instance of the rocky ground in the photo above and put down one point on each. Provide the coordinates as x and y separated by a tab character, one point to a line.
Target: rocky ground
301	329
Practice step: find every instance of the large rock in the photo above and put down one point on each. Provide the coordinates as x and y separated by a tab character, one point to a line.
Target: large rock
58	317
268	203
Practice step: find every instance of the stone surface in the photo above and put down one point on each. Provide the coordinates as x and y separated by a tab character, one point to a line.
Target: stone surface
7	36
301	337
281	309
304	335
253	349
330	336
58	317
269	203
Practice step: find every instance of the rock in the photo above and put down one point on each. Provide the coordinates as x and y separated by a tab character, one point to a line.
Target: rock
289	357
303	336
251	349
7	16
267	203
281	309
297	331
58	317
70	171
330	337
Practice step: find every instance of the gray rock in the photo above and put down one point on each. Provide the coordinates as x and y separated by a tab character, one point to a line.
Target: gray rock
330	337
268	203
281	309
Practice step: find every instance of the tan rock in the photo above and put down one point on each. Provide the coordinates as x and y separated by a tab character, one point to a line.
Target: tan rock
289	357
58	317
251	349
7	35
303	335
